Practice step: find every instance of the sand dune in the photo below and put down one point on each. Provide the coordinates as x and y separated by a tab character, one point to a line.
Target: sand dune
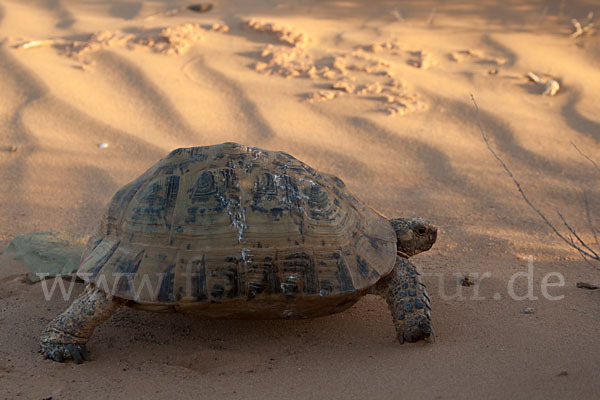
394	120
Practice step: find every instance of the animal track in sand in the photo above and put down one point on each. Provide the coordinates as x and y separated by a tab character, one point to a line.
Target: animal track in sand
422	59
290	36
173	40
357	73
417	58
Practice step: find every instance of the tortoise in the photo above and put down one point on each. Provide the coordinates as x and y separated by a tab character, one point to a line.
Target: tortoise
232	231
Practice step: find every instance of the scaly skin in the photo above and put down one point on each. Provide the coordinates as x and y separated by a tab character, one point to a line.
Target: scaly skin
403	288
405	293
66	335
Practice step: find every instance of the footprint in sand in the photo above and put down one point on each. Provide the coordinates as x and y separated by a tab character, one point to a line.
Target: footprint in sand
172	40
358	73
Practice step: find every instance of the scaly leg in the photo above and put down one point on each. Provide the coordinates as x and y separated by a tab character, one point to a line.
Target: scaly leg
405	293
66	335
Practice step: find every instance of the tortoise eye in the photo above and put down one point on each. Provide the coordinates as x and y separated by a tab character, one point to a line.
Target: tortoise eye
421	231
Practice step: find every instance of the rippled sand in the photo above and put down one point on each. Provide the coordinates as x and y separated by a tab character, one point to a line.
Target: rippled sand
377	93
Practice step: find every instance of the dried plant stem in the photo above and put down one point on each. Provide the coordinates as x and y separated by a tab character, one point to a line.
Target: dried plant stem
586	157
585	250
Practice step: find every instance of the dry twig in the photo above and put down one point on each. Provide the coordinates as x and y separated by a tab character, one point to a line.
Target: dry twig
583	248
586	157
587	28
585	285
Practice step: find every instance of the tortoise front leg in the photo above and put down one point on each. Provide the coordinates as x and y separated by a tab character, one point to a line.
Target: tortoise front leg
66	335
405	293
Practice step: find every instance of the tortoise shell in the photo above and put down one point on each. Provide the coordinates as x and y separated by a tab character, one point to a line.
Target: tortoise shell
236	231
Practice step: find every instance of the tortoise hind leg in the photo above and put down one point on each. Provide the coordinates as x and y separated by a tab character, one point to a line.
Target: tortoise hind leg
66	335
407	299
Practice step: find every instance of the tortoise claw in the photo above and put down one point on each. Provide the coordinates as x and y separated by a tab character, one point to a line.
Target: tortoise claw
75	354
431	338
60	352
56	356
84	353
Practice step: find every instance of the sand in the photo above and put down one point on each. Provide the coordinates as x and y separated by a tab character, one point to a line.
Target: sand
376	92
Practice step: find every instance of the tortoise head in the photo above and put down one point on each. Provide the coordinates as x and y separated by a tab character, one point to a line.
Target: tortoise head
415	235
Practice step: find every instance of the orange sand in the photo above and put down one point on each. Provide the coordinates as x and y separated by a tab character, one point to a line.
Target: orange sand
388	111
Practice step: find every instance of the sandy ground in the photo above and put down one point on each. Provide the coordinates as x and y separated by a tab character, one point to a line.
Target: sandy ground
399	129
